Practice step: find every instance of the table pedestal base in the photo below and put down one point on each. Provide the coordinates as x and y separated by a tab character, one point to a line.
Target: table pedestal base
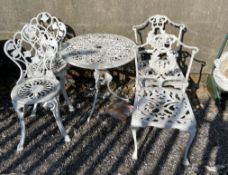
96	76
108	79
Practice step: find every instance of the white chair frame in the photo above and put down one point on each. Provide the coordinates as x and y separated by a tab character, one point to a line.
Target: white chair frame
39	86
48	23
160	99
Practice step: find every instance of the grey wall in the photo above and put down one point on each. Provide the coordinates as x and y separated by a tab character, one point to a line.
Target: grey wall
206	20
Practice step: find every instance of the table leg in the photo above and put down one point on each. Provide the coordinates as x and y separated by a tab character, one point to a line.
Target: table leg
96	75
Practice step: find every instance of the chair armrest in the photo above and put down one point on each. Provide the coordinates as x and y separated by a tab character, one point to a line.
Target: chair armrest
136	29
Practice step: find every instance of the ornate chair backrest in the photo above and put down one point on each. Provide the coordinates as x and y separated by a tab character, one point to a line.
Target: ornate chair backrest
163	58
29	46
158	25
51	24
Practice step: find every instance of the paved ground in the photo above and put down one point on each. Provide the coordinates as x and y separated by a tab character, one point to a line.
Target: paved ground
105	144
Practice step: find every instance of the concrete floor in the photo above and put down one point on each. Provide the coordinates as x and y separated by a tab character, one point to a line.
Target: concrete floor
105	144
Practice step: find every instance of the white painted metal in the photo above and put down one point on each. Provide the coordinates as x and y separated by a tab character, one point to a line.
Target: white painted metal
48	23
160	99
99	52
34	86
158	24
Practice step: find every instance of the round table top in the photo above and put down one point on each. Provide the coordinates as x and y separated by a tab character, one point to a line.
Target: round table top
99	51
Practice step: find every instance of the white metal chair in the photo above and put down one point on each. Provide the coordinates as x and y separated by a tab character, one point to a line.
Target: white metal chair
48	23
160	99
34	86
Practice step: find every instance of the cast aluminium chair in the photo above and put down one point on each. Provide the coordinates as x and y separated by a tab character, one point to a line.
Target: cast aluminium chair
160	98
218	80
48	23
34	86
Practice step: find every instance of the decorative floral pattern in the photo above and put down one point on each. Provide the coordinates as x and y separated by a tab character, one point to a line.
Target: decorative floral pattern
161	100
35	89
99	51
55	65
164	107
51	24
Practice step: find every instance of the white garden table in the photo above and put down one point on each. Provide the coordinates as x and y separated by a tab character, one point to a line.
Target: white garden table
99	52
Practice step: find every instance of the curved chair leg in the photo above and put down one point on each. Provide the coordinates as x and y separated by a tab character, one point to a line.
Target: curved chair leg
54	107
20	112
33	113
192	134
135	153
63	90
96	75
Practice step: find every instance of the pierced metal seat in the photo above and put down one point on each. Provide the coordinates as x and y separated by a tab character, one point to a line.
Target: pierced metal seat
35	89
48	23
163	108
38	86
160	98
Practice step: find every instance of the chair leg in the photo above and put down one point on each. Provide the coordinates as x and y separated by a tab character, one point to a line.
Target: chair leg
192	134
63	90
20	112
54	107
135	153
33	113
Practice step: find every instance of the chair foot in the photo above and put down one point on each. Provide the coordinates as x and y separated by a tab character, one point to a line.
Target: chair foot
67	139
32	115
135	155
71	108
19	148
186	162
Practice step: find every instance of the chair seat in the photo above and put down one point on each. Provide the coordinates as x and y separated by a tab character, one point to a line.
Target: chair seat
58	64
35	90
163	108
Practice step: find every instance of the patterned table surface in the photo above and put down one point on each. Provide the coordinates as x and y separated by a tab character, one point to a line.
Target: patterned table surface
99	51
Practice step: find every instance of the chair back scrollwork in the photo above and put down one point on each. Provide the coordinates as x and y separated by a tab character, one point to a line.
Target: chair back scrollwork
158	26
30	46
48	23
